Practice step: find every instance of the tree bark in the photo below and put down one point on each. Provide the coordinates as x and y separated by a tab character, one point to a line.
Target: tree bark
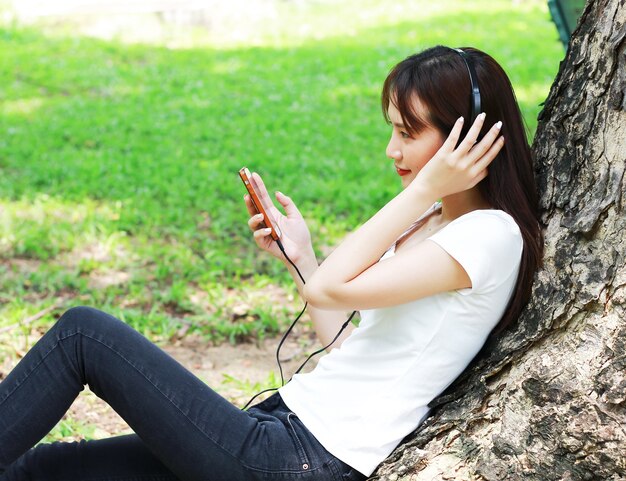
547	400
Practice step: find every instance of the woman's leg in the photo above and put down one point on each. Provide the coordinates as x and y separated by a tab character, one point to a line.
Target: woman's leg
195	432
119	458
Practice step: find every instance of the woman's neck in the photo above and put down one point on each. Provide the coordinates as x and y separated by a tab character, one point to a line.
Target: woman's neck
456	205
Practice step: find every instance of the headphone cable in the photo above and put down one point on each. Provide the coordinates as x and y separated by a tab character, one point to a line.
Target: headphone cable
288	331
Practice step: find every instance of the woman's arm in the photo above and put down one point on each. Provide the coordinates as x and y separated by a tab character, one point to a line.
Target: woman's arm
297	243
326	323
352	278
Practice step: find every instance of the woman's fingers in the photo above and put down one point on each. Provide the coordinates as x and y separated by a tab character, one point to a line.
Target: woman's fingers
255	221
484	161
290	207
261	233
486	142
262	190
473	133
453	136
250	205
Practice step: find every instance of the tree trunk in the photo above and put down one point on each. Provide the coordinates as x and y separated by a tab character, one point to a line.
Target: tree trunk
547	401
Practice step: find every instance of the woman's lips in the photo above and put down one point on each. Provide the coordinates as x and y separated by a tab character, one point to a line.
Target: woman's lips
402	172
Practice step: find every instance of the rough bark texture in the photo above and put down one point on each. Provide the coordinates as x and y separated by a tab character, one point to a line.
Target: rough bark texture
547	401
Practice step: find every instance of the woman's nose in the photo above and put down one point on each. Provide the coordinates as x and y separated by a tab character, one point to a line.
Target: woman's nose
392	151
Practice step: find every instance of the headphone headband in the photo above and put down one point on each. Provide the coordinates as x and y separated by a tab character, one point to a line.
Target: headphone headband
473	81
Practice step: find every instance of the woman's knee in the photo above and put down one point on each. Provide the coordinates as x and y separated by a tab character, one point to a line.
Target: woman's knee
83	317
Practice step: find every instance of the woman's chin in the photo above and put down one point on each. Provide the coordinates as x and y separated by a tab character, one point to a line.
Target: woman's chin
406	180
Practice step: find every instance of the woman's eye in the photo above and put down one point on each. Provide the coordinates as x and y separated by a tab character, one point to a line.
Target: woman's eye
404	135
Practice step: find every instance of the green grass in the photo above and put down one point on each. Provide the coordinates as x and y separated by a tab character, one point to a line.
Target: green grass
118	162
68	429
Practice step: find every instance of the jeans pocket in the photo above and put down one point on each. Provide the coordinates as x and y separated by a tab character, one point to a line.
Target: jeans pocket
292	425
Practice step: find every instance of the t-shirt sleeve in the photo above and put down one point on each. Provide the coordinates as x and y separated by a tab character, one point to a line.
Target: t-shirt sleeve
487	244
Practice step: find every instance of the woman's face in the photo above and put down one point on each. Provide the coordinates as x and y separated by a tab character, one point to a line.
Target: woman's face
410	153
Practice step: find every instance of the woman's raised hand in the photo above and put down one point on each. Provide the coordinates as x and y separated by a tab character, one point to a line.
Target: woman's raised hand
296	238
453	170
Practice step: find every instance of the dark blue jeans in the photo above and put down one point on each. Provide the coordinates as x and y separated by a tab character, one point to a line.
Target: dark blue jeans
184	430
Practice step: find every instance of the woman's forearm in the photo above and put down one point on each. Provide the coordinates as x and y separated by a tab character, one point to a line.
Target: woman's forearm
367	244
326	323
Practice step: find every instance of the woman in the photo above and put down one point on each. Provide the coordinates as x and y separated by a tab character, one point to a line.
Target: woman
456	269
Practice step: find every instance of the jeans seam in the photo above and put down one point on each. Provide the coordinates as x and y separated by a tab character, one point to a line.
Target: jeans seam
334	467
300	447
33	369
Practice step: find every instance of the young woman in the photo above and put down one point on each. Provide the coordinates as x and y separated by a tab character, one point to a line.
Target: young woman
446	261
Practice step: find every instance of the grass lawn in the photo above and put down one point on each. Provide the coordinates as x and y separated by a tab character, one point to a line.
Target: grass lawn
118	162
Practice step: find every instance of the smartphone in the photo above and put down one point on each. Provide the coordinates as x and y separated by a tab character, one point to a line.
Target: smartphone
261	208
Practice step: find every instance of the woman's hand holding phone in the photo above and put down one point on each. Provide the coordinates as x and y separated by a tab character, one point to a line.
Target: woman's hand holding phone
295	235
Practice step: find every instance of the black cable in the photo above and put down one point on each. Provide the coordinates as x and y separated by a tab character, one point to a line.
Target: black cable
343	327
280	344
282	249
288	331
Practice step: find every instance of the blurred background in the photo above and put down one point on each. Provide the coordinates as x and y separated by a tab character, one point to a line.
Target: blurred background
124	123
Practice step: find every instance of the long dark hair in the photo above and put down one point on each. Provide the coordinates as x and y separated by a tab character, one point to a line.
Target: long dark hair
439	77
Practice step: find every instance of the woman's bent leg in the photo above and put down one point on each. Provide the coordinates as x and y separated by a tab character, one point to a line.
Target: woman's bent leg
193	431
188	426
123	458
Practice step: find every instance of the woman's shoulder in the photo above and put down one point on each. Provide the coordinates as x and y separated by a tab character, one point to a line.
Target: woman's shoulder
487	243
492	231
491	219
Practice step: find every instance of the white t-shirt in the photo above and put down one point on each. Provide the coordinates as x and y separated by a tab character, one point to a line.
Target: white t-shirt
363	398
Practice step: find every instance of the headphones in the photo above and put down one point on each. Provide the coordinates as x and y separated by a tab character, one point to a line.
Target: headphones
473	81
